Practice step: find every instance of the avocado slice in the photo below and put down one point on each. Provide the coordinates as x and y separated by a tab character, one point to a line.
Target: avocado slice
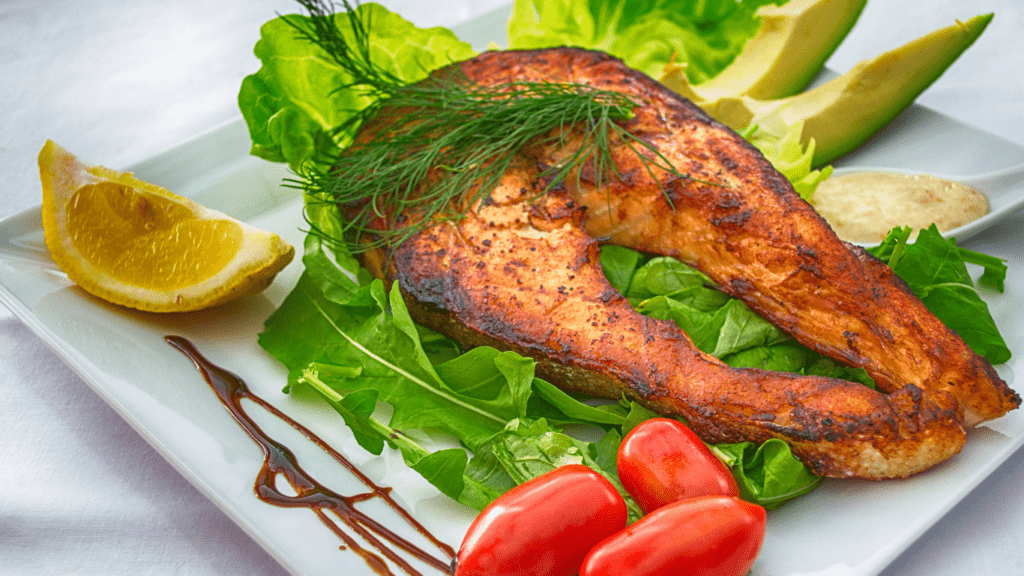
844	112
789	49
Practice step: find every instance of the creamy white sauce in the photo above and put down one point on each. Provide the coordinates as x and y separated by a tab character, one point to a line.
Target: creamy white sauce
864	206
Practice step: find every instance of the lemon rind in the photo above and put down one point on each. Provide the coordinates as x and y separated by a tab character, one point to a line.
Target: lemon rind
259	258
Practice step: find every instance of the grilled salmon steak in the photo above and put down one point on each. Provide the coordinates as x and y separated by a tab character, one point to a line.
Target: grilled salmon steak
521	272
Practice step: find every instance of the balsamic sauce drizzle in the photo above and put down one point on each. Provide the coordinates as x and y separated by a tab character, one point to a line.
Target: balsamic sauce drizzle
279	460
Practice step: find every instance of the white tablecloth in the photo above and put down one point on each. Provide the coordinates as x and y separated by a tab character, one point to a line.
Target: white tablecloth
117	81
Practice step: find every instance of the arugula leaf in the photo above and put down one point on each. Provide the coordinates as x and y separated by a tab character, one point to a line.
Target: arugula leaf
488	478
645	34
292	104
295	321
572	410
356	409
474	483
308	327
935	270
488	375
355	345
993	269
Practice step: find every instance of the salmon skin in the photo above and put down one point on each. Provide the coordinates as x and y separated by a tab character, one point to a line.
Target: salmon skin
521	272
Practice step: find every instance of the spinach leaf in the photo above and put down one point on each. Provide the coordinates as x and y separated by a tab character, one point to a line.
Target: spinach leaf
768	474
528	449
635	416
619	264
662	276
792	357
934	268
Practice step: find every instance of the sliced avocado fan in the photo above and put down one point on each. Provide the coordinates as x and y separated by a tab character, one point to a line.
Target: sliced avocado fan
785	55
844	112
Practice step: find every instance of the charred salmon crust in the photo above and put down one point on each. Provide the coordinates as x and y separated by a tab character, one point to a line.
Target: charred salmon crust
524	276
739	221
521	272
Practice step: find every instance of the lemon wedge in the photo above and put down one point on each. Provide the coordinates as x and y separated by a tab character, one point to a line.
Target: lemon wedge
138	245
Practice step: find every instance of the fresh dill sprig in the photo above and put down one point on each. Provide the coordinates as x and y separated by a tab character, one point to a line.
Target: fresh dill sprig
429	150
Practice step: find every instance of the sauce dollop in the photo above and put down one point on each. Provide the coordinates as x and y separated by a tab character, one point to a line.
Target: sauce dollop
865	206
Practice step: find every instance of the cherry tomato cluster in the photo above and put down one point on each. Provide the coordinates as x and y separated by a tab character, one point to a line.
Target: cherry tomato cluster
573	521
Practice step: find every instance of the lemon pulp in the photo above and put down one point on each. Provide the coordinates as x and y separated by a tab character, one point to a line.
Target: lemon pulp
139	245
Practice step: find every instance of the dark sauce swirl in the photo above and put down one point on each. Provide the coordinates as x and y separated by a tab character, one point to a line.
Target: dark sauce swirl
279	460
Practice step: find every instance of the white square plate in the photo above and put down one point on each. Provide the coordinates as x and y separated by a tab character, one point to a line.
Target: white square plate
844	527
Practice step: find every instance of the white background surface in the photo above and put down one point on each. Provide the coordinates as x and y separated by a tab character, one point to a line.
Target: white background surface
116	81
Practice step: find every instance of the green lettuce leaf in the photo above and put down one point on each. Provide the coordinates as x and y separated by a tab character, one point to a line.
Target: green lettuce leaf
292	105
782	148
645	34
648	34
